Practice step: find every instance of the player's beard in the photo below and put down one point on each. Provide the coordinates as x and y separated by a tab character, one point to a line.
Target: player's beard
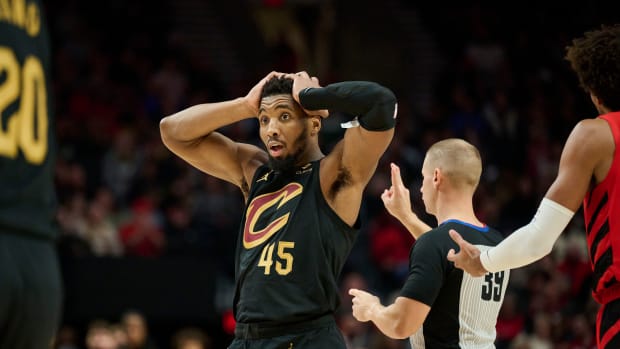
288	163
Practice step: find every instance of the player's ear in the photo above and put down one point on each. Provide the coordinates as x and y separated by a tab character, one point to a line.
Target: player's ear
315	125
437	178
596	100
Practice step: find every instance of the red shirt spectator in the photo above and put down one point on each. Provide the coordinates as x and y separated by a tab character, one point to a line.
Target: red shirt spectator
142	235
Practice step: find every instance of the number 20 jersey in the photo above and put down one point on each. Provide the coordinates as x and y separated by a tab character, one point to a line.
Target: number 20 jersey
27	195
291	249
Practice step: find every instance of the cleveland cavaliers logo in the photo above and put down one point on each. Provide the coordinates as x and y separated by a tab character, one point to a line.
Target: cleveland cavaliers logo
260	204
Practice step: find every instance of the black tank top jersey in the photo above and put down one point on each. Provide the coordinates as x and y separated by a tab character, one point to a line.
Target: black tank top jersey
291	249
27	196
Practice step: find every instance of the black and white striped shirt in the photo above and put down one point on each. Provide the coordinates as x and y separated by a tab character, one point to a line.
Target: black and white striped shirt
464	309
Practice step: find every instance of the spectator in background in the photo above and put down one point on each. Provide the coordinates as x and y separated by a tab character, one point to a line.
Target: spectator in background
142	235
191	338
100	232
170	84
181	237
71	215
355	333
120	334
510	321
539	338
390	244
100	336
581	335
283	34
135	325
120	165
506	130
66	338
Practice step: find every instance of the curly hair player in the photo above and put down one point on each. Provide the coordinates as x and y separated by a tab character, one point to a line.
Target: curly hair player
589	173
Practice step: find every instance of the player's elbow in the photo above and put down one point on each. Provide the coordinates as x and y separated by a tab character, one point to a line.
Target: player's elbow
538	248
166	125
382	94
538	251
402	329
169	131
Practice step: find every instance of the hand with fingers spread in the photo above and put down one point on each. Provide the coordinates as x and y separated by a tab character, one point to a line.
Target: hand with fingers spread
301	81
252	99
468	258
363	303
397	201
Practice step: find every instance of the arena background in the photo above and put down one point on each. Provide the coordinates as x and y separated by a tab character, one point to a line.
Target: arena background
490	72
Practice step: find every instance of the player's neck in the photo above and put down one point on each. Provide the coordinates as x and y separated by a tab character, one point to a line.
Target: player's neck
457	207
313	153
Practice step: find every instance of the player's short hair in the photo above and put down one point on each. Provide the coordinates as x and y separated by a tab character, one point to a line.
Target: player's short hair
595	58
458	160
277	86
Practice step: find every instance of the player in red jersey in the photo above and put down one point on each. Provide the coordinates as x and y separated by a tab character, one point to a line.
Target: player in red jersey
589	173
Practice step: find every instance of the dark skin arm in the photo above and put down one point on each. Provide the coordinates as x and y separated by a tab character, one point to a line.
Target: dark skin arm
587	154
191	135
346	171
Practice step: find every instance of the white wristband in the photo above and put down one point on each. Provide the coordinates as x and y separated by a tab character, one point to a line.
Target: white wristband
350	124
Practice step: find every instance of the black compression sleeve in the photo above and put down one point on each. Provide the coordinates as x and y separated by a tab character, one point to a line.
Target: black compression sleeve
375	105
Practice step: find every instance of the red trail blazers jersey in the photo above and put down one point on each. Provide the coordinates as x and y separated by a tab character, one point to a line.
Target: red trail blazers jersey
602	215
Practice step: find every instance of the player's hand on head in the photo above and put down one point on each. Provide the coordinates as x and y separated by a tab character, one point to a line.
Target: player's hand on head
362	304
301	81
396	199
468	257
253	97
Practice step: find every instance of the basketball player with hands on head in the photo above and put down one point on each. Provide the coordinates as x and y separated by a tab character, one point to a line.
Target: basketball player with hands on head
440	306
302	206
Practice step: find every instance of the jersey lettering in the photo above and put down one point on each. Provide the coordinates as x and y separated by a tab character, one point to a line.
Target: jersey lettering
23	15
26	129
492	288
284	262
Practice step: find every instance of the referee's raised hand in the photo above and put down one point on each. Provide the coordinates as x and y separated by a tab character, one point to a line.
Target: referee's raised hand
396	199
397	202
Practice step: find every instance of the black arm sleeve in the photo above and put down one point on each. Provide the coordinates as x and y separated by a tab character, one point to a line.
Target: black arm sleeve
374	105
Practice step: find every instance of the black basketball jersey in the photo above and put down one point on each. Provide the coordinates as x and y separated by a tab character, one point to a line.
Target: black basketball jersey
464	309
27	196
291	249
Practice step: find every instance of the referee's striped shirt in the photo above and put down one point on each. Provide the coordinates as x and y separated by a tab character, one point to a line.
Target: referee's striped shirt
464	309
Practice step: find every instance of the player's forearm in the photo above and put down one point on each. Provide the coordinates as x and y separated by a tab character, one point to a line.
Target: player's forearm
200	120
531	242
415	226
390	321
375	105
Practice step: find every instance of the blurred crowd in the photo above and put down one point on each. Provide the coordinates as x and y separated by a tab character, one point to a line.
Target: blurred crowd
120	67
